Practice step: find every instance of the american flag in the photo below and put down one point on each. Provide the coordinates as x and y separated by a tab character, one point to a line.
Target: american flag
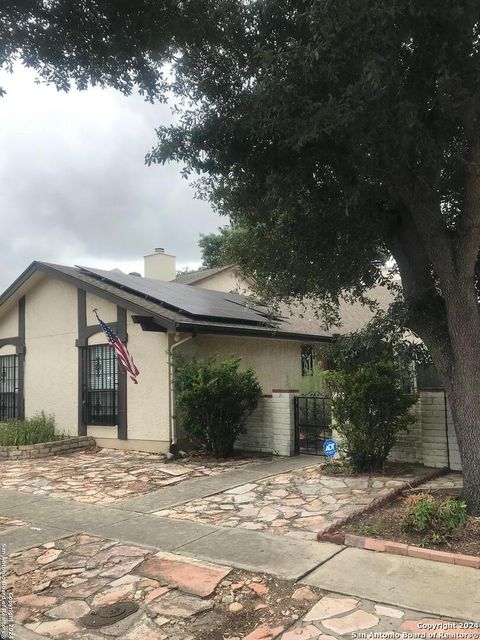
120	349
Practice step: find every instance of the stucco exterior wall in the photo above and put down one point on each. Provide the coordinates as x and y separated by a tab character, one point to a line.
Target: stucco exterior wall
228	280
276	362
105	309
51	362
51	365
148	402
9	324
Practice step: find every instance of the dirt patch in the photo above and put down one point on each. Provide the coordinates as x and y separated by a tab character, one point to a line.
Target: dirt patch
386	523
265	600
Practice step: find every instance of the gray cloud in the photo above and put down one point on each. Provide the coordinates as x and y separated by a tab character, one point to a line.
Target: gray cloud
74	188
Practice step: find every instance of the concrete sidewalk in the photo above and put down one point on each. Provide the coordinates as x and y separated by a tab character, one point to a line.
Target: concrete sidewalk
416	584
202	487
129	521
411	583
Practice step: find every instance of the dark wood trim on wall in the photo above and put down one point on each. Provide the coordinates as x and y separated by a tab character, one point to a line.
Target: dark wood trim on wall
122	378
81	343
21	349
84	333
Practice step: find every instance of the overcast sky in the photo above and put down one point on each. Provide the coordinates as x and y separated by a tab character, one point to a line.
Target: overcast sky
74	188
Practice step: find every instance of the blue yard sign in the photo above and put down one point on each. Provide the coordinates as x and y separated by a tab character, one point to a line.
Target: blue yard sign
330	448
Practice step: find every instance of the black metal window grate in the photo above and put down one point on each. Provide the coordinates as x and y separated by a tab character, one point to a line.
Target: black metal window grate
8	387
307	356
100	385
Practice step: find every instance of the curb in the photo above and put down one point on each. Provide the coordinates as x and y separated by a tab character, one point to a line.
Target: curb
324	534
401	549
329	534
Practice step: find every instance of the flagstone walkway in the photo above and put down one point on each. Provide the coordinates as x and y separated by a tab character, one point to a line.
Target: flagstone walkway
105	476
337	616
296	504
452	480
179	598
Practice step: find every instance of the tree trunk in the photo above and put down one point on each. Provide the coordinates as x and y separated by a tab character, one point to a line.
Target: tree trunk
459	367
465	406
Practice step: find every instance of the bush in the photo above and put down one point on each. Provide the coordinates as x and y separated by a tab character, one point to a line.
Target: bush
369	409
213	401
40	428
438	520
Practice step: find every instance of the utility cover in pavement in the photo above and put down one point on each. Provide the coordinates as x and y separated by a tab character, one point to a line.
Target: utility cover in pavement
109	614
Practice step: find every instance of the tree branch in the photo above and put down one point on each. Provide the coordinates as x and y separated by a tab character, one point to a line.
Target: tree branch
426	313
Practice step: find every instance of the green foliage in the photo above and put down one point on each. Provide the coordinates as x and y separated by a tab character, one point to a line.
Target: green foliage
383	338
212	246
335	134
39	428
221	249
438	521
337	468
370	409
213	400
373	529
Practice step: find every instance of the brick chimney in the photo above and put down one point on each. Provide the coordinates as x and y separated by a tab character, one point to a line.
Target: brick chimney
160	265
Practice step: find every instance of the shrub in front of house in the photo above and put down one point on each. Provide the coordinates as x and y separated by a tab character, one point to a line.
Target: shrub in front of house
39	428
437	520
370	409
213	401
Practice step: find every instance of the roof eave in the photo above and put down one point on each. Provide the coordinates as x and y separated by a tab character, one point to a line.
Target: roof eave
191	327
35	266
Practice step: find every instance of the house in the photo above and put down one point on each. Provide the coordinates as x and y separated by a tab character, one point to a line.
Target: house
431	440
54	356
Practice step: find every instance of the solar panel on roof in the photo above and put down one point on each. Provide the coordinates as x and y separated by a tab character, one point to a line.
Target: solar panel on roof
198	303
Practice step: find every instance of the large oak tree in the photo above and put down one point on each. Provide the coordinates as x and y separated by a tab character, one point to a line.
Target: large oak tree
332	132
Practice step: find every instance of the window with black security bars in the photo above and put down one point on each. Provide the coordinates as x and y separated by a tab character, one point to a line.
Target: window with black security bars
307	355
100	372
8	387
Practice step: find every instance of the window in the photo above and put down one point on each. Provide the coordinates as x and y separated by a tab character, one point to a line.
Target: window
428	378
307	357
101	385
8	387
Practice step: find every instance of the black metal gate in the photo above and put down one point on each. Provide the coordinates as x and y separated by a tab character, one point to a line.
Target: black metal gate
313	423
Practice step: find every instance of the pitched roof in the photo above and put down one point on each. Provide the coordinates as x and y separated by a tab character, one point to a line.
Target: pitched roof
200	274
305	317
172	306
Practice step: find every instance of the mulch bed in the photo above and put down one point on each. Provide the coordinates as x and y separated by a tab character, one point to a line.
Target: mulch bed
386	523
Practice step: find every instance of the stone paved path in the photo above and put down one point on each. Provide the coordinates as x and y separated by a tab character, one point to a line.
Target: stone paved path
296	504
105	476
337	616
58	583
8	523
447	482
110	552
